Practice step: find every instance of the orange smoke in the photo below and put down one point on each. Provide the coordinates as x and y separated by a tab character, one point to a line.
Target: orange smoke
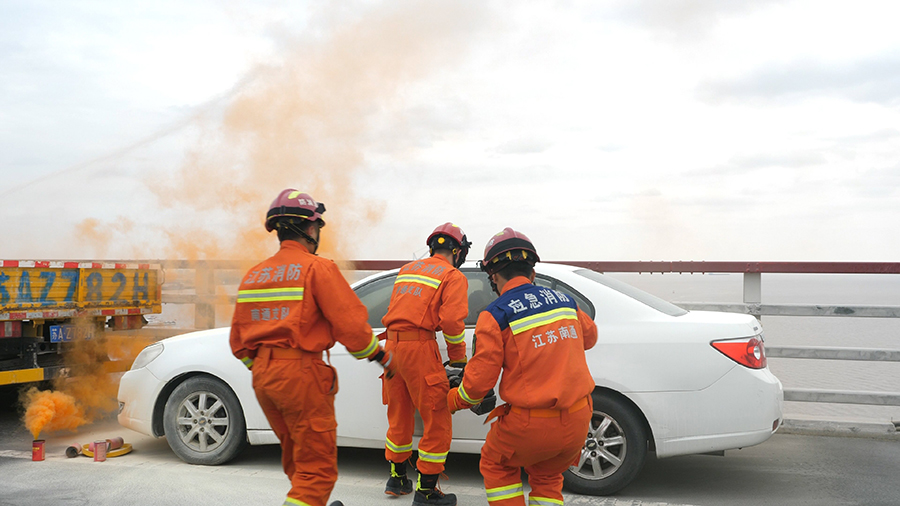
90	392
338	93
51	411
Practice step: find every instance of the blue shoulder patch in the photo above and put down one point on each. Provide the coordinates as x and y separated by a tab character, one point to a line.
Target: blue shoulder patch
502	310
527	300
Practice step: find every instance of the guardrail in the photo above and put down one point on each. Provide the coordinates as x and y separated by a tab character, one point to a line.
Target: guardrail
205	300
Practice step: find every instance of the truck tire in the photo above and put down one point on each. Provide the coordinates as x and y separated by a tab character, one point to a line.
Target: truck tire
614	450
204	422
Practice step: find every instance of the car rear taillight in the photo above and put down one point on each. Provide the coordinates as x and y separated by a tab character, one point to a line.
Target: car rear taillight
749	352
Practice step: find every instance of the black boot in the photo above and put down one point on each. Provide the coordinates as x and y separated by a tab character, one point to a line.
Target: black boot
398	483
336	503
427	493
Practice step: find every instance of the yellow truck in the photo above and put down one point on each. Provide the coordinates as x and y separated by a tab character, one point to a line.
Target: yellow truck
47	307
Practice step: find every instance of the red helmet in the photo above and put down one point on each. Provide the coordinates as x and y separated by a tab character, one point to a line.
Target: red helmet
451	237
294	204
508	246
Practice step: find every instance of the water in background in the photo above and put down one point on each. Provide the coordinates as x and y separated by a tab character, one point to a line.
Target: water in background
824	289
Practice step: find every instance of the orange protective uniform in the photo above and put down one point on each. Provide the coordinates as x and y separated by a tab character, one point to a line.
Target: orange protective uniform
537	337
429	295
290	308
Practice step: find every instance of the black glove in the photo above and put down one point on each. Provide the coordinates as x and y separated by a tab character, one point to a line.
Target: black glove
385	358
454	373
486	405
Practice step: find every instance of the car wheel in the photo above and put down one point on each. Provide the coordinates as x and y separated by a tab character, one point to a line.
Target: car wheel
613	452
204	423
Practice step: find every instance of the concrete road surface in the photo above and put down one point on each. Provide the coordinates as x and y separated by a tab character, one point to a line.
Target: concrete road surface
786	470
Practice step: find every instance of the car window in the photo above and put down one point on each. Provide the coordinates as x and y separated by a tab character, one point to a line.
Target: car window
636	294
480	294
376	295
583	304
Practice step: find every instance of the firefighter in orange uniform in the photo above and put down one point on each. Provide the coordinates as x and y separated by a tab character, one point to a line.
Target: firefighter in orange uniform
290	309
537	336
429	295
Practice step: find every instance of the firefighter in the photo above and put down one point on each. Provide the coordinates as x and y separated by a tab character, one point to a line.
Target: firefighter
429	296
537	336
290	309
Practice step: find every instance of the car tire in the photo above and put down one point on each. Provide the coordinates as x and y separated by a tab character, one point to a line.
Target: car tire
614	450
204	422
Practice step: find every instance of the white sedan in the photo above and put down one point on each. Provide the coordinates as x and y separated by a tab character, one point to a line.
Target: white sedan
668	381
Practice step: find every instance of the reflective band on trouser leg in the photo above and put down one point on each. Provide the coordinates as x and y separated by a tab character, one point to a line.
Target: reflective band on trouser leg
422	280
541	319
270	294
390	445
455	339
368	350
505	492
437	458
543	501
294	502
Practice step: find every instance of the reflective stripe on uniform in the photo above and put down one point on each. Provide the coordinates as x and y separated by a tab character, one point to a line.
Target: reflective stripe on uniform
270	294
390	445
416	278
505	492
368	350
465	396
455	339
543	501
290	501
438	458
540	319
247	362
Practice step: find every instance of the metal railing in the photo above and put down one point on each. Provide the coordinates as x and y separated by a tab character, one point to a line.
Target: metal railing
205	300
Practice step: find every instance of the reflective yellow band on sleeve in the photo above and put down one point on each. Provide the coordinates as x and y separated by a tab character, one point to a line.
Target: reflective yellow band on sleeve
270	294
290	501
505	492
368	350
540	319
247	362
465	396
455	339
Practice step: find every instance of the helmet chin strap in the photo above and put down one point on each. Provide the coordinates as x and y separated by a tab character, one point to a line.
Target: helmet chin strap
459	257
294	228
493	285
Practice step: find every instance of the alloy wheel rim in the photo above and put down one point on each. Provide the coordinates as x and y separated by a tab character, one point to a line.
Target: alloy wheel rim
604	449
202	422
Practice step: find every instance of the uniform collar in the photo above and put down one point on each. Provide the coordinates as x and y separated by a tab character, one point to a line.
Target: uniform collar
515	283
442	259
289	244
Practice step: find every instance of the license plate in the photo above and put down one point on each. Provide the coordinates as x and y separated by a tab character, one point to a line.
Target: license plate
65	333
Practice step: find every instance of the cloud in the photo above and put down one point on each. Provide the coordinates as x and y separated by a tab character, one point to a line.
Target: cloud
686	19
523	146
881	135
876	79
745	163
880	184
420	125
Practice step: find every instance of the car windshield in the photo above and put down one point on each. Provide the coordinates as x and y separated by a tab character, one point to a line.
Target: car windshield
636	294
376	296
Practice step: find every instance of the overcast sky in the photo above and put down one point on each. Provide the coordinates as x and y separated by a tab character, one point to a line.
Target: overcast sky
616	130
